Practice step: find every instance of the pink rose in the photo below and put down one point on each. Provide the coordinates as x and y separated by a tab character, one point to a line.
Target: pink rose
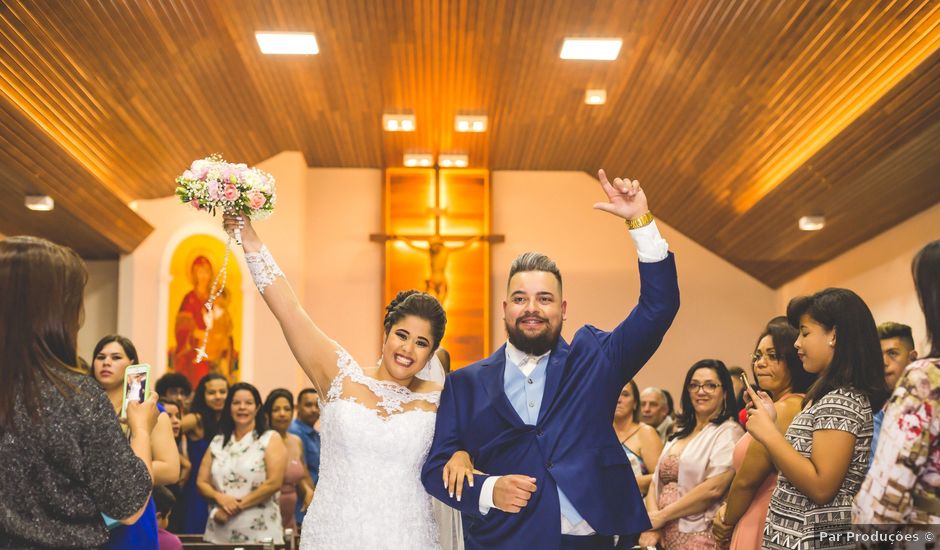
256	199
213	189
195	204
231	193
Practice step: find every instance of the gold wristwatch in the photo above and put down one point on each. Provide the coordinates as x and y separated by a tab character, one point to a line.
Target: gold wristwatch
641	221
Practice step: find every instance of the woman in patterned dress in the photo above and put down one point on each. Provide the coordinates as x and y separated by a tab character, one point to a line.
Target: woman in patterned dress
242	473
903	485
640	442
823	457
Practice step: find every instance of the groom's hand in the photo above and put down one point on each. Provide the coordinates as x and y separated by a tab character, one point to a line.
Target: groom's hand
511	493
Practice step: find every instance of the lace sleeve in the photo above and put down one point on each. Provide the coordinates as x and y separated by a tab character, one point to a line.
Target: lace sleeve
263	268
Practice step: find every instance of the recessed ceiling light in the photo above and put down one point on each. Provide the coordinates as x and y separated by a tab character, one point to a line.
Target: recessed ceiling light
453	161
419	159
470	123
599	49
812	223
595	97
398	122
287	43
40	203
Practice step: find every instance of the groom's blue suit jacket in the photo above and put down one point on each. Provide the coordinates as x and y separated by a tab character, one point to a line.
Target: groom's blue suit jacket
572	445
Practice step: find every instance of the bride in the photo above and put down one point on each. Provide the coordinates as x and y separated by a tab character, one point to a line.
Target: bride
376	423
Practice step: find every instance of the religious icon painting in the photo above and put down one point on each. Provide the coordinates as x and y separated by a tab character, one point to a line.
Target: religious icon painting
193	266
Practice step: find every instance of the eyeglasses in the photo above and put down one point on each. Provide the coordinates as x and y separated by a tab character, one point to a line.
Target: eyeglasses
771	357
708	387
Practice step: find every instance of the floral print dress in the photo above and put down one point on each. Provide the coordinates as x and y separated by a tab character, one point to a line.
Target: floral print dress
237	470
903	485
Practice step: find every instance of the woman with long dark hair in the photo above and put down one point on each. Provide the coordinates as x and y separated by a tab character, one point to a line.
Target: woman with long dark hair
200	425
110	358
903	484
778	371
279	410
64	456
695	469
242	473
823	457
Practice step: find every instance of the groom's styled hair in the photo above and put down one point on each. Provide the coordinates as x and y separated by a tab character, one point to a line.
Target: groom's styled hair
534	261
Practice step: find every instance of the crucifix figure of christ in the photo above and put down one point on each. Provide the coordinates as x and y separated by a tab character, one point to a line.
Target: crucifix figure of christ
438	247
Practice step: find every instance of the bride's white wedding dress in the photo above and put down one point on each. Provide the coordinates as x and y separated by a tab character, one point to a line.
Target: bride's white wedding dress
370	494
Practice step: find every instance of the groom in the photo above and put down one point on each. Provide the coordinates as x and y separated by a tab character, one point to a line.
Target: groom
537	415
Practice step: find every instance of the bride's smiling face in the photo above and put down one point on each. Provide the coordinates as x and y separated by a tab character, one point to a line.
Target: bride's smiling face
407	347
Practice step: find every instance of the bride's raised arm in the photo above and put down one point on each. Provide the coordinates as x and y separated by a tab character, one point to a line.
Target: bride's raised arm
312	348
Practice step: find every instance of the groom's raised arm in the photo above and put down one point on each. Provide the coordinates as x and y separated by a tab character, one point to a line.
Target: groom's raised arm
633	342
630	345
446	442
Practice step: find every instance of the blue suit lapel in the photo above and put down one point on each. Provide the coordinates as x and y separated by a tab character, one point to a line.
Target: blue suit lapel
492	373
553	375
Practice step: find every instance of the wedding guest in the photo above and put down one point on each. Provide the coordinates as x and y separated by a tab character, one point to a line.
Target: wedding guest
165	501
174	385
242	473
823	457
779	372
655	411
64	457
695	468
200	425
307	427
111	357
279	409
174	409
903	485
897	350
640	441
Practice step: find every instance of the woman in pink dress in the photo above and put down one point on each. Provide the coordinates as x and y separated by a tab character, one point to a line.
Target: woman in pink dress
695	469
279	406
779	372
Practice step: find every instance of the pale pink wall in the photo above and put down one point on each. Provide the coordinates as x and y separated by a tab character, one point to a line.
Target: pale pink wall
100	305
343	283
878	270
723	309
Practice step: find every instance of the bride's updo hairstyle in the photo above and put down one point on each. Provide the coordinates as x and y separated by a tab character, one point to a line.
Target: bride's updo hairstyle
417	304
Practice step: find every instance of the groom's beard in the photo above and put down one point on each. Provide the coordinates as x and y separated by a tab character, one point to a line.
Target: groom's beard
536	345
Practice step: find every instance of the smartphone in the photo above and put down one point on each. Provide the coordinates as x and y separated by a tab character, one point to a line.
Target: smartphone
744	379
136	386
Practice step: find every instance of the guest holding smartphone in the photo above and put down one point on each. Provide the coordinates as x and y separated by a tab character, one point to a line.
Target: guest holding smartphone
112	355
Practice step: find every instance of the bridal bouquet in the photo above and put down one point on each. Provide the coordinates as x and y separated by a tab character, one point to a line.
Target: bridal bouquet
212	184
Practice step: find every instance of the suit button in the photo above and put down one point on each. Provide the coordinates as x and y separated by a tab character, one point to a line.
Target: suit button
539	433
548	465
530	381
531	403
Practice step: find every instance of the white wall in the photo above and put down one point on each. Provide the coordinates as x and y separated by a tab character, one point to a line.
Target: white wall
878	270
723	309
101	305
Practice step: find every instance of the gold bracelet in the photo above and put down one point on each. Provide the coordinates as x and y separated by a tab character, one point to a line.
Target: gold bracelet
641	221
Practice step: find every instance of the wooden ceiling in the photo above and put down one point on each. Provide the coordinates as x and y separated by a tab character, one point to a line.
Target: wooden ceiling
738	116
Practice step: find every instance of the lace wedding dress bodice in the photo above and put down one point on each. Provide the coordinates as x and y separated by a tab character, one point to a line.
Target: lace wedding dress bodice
370	494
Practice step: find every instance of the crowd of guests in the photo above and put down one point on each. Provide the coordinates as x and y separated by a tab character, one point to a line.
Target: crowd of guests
833	424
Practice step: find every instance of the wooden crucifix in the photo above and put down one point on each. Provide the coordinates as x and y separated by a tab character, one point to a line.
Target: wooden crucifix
439	247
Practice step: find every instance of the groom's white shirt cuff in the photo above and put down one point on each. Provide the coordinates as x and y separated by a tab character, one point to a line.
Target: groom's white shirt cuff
650	245
486	494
